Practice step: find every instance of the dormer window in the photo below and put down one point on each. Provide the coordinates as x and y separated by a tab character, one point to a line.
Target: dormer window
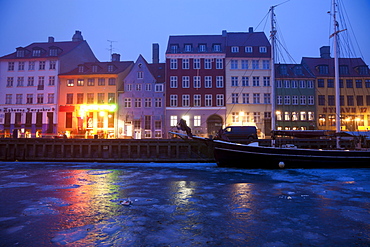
94	68
235	49
110	68
216	47
298	70
248	49
53	52
323	69
283	69
343	70
202	48
20	53
263	49
188	48
80	68
174	48
36	53
363	70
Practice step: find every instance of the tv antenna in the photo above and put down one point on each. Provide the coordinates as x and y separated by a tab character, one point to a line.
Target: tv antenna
111	46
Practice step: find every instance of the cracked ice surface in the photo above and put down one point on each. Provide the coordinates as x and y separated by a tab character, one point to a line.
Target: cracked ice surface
81	204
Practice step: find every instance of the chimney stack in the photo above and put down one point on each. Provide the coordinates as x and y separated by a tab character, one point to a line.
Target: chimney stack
250	29
50	39
116	57
325	52
77	36
224	33
155	55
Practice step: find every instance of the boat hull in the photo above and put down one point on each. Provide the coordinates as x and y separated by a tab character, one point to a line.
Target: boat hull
228	154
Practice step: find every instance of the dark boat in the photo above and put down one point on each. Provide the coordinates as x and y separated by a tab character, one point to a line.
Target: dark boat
231	154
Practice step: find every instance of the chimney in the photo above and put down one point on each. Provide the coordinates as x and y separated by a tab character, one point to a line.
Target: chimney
325	52
224	33
250	29
77	36
155	56
50	39
116	57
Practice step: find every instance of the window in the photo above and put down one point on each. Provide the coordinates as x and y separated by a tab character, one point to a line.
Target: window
208	82
138	87
173	120
207	63
349	83
235	49
234	81
174	48
42	65
234	98
137	103
216	47
101	97
266	81
245	64
80	98
358	83
188	48
343	70
286	84
173	82
70	83
263	49
255	64
140	75
220	100
9	82
248	49
29	99
294	84
185	100
265	64
185	63
20	53
279	100
20	81
112	81
330	83
197	100
50	98
302	84
267	98
219	81
185	82
147	102
8	99
68	119
40	98
360	100
147	123
80	82
110	68
127	103
283	69
320	83
158	88
10	66
101	82
69	98
197	121
36	52
21	66
173	100
51	80
256	81
202	48
256	98
31	65
286	99
53	52
311	100
173	63
245	81
245	97
94	68
52	65
321	99
234	64
90	98
196	63
18	119
196	81
208	100
310	84
302	100
286	116
219	63
148	87
19	99
158	102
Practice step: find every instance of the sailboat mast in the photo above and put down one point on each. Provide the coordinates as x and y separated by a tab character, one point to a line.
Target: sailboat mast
336	73
273	39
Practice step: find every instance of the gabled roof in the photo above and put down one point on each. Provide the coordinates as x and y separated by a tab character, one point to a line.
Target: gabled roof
195	41
100	68
292	71
61	48
353	65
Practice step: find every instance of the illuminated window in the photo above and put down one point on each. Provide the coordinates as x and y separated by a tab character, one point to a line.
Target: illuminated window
173	120
197	121
70	83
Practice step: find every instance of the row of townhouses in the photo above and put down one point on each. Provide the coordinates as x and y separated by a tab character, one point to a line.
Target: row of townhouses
212	81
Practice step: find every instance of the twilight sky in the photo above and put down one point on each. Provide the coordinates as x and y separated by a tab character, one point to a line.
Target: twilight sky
303	25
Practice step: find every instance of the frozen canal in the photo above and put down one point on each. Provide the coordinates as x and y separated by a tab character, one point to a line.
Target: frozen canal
76	204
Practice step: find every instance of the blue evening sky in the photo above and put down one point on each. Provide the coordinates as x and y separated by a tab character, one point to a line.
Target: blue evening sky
304	25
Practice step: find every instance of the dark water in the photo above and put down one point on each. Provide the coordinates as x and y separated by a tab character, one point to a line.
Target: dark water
77	204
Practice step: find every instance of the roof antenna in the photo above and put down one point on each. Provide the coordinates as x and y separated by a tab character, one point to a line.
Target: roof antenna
111	46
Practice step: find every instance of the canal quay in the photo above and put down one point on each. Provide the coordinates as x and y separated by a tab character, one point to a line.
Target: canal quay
181	204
